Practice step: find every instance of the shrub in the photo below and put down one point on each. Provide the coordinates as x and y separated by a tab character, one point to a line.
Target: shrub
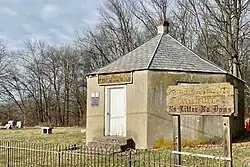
163	143
212	140
166	143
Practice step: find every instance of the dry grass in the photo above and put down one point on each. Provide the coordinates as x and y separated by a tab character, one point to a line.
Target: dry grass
60	135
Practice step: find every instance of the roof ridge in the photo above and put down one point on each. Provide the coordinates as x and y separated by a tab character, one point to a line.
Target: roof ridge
127	54
138	47
203	59
154	52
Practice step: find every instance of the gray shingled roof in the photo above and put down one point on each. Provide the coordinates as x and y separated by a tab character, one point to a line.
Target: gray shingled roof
162	52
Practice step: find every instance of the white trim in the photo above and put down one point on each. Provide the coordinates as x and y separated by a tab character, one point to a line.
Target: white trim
106	119
106	109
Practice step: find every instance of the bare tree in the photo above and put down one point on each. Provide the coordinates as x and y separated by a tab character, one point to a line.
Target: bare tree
183	23
149	13
227	24
116	35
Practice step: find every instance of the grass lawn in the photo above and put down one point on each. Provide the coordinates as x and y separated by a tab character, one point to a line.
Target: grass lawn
241	152
29	147
60	135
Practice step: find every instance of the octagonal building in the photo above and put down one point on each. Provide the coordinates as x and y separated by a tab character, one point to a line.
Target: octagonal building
127	97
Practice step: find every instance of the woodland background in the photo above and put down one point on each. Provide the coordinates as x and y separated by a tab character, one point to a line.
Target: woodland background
42	83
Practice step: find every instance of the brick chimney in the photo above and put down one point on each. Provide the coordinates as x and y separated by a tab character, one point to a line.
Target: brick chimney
163	27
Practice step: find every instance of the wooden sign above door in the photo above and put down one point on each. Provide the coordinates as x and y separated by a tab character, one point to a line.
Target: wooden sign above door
201	99
118	78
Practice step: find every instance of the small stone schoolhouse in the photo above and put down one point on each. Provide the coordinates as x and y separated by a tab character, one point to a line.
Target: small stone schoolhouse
128	97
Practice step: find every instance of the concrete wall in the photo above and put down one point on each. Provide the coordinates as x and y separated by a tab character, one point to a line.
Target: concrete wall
160	123
136	109
95	115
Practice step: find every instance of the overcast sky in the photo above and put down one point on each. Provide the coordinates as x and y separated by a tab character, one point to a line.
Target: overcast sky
54	21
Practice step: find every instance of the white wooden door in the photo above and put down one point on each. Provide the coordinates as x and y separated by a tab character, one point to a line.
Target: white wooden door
115	111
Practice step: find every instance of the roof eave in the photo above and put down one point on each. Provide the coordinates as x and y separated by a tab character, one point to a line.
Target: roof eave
236	77
169	70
